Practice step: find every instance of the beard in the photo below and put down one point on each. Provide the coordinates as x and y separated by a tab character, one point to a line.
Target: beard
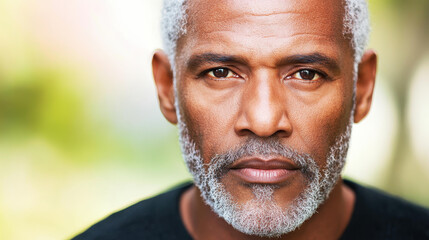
262	215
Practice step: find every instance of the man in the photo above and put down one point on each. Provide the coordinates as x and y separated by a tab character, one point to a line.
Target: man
264	94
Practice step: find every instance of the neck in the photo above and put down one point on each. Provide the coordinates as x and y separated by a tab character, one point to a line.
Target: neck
329	222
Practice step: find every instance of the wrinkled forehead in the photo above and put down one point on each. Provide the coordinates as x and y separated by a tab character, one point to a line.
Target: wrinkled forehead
327	15
269	20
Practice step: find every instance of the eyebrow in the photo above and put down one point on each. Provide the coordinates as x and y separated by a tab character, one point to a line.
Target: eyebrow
196	61
313	58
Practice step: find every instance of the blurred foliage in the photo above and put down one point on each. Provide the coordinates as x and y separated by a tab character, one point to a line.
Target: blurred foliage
64	164
401	35
37	104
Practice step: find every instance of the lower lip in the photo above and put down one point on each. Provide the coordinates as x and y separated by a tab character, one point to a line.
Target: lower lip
267	176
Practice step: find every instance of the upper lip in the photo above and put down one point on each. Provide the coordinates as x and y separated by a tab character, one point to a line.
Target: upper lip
264	164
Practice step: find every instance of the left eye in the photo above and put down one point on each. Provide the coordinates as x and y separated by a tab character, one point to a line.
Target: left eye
221	73
306	74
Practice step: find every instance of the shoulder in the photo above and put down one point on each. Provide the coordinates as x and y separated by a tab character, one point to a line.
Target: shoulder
383	216
156	217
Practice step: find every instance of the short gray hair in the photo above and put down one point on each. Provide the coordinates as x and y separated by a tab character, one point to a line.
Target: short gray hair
356	26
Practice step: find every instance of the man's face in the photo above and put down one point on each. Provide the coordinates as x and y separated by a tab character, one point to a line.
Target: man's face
265	94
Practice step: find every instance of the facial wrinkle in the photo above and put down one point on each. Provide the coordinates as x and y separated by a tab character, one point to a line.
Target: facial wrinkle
262	216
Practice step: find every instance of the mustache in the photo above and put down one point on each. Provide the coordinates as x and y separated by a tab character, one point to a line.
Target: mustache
267	147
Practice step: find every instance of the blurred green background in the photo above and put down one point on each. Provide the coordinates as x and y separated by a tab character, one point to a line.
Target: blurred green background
81	134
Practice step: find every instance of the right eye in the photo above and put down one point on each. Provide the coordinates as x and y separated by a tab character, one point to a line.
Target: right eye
307	74
221	73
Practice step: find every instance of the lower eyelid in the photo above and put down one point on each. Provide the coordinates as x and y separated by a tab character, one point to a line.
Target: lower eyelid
309	81
319	79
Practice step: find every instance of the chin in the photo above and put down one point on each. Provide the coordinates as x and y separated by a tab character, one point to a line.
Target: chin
258	209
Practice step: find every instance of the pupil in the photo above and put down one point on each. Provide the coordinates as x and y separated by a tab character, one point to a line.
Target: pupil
220	72
307	74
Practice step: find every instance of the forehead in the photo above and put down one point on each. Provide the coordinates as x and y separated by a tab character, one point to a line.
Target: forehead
264	28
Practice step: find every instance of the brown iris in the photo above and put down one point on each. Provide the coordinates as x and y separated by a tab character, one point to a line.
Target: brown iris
307	74
220	72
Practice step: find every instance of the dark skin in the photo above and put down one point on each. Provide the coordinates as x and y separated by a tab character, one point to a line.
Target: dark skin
267	69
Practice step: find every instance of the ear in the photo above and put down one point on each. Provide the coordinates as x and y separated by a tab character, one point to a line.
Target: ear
163	77
365	84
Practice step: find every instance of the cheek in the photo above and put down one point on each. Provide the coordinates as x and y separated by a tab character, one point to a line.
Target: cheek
317	118
320	122
210	117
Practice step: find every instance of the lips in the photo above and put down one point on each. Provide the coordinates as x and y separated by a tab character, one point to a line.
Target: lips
264	171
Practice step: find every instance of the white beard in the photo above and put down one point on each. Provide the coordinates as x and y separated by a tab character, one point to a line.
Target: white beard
262	216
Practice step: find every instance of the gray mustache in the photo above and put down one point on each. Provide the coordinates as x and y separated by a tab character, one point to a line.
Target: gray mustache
269	147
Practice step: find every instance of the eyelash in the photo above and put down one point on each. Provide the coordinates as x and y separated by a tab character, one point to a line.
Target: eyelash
321	74
206	72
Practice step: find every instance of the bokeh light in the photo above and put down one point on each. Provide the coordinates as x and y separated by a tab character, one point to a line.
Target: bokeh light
81	134
418	113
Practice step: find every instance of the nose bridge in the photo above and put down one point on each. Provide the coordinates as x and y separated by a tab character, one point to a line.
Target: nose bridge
264	105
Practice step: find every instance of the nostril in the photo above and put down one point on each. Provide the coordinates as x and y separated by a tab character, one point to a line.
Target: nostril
264	112
278	134
282	133
263	126
264	132
244	132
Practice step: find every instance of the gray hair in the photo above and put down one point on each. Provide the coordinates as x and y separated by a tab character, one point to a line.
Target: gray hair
356	26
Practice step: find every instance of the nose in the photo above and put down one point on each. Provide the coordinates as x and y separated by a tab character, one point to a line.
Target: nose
263	108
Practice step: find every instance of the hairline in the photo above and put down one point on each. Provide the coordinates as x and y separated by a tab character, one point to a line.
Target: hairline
355	27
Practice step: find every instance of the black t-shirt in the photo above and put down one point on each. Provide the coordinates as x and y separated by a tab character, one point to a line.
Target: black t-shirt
376	215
